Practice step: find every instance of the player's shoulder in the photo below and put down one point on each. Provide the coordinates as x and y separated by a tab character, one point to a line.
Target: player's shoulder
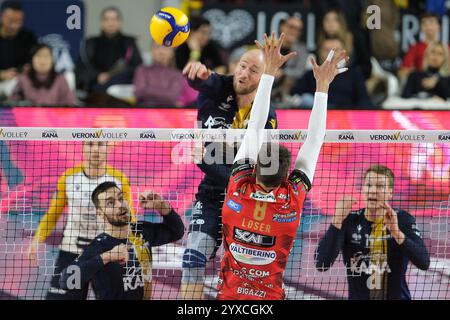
357	213
355	216
221	79
101	243
404	216
72	171
115	173
97	246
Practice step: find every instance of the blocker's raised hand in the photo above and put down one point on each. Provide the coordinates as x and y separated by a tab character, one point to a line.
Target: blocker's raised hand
273	59
332	66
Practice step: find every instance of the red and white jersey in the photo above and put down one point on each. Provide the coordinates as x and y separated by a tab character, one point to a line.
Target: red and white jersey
258	233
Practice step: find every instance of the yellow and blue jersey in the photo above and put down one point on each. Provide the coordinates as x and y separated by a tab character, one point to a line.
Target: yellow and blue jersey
73	194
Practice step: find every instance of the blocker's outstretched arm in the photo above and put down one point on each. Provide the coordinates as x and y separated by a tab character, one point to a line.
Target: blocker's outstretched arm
309	153
273	60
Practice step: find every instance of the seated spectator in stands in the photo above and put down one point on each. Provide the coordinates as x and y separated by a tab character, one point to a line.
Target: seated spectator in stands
348	90
41	85
108	59
413	60
15	43
161	84
434	80
295	67
358	47
383	41
199	47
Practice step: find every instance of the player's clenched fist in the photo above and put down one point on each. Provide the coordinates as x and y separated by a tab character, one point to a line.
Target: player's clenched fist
196	70
117	254
152	201
343	208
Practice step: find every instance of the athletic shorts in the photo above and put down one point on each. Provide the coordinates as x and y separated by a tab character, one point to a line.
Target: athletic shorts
207	218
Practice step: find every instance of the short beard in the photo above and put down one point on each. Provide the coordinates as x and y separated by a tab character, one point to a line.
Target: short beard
244	91
117	223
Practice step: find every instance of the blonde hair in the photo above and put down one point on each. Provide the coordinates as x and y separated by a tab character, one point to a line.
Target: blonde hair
343	33
382	170
444	70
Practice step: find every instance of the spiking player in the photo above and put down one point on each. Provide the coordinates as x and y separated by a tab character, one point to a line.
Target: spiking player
73	192
262	207
223	102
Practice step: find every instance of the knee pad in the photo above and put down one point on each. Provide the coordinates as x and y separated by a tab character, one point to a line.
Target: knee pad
194	266
193	259
200	248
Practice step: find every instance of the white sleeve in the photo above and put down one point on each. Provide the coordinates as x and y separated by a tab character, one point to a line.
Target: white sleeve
309	153
254	136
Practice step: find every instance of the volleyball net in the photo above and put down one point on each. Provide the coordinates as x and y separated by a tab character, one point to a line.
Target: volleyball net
34	159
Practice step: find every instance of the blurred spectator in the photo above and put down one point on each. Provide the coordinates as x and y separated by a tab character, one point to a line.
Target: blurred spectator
161	84
199	47
317	7
383	42
348	90
41	85
414	7
438	7
108	59
294	68
413	60
434	80
334	24
15	43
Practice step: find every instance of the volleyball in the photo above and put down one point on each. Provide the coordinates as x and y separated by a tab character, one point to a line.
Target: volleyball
169	27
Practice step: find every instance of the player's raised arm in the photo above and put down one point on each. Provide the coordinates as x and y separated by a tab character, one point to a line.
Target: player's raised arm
309	153
273	60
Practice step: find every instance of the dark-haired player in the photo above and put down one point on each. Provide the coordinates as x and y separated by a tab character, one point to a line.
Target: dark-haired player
73	196
118	261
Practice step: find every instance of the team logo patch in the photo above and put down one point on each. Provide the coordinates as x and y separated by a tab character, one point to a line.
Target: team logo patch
284	218
261	196
252	256
253	238
234	205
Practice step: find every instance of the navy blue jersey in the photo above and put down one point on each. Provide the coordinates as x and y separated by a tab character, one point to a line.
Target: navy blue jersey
353	239
217	108
113	280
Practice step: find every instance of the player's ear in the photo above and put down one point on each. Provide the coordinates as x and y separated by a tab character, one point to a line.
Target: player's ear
100	214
